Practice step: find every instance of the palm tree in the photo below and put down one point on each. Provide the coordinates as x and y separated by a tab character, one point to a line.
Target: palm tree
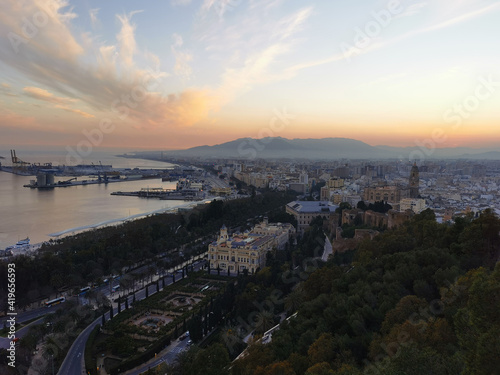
265	321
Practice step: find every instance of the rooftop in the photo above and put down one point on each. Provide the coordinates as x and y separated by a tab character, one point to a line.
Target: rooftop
312	206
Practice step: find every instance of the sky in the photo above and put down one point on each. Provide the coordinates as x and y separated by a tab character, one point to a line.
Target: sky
173	74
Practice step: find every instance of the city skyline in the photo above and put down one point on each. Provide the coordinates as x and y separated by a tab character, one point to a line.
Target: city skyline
186	73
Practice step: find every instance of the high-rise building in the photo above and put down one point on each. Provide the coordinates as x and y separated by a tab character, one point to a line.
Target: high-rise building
414	181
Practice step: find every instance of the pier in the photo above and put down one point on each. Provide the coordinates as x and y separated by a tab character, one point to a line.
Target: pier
163	194
42	183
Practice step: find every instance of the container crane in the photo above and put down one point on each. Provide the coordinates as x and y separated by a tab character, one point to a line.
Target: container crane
105	177
16	162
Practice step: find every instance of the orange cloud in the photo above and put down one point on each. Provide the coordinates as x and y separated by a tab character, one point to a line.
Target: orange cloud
175	110
112	84
60	102
77	111
41	94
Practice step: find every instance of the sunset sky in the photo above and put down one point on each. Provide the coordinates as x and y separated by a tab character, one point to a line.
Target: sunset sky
181	73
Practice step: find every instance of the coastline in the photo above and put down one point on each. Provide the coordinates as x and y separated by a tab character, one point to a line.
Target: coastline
125	219
36	213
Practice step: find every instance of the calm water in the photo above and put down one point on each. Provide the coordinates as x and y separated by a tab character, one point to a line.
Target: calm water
37	213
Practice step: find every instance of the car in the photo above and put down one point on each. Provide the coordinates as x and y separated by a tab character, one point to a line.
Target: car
190	342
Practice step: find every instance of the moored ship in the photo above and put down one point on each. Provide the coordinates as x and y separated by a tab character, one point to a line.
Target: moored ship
23	243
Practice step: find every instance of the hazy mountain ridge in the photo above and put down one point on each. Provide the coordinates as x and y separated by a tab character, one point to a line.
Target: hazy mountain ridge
325	148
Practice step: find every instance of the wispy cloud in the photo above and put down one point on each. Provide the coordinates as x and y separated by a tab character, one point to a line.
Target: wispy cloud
41	94
58	101
459	19
56	59
182	58
252	43
77	111
126	38
68	66
93	16
379	44
220	7
6	89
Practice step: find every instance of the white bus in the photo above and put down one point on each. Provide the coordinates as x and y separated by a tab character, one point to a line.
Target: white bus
55	301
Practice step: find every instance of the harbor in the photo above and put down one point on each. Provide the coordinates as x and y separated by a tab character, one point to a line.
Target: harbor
42	211
93	200
48	175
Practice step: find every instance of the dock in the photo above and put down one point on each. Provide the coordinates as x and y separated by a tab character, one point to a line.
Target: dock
162	194
44	184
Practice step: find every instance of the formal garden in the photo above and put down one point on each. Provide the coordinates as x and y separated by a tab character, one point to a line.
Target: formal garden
144	328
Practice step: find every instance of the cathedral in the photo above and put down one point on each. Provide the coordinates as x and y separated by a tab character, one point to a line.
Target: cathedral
414	181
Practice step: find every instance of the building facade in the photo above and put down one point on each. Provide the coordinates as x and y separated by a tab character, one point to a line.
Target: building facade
247	251
389	194
416	205
306	211
280	231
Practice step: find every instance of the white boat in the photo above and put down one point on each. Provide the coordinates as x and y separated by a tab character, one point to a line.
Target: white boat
24	242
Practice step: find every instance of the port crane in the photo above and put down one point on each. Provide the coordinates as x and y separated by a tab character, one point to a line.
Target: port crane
105	177
16	162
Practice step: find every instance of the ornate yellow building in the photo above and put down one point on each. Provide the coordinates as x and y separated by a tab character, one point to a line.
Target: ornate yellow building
248	250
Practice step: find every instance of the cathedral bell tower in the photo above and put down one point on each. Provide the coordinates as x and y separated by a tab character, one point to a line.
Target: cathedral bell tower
414	181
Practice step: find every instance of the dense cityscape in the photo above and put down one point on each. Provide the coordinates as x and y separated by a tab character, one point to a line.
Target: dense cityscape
174	288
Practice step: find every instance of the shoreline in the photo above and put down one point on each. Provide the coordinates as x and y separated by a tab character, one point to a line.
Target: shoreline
73	231
123	220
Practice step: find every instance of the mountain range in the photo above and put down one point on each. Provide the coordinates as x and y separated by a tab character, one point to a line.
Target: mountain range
326	148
